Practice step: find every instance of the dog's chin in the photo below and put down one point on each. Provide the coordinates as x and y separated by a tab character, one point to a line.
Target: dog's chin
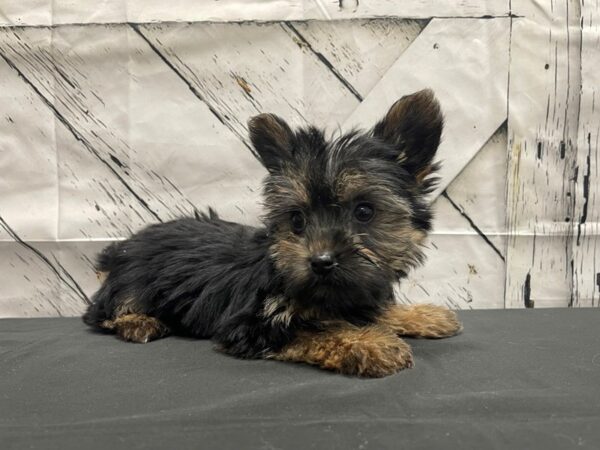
337	289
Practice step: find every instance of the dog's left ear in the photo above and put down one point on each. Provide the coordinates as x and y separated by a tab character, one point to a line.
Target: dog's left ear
414	126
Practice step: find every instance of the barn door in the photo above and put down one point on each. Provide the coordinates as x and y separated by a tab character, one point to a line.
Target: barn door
127	116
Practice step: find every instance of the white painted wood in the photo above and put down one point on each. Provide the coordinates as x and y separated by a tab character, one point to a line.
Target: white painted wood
542	121
452	57
56	12
163	107
241	70
461	271
345	9
34	285
28	166
361	51
586	241
116	126
480	191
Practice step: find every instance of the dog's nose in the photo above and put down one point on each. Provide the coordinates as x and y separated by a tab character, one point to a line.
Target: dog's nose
323	263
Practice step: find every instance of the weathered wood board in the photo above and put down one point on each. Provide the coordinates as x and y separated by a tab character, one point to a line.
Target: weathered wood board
57	12
543	109
586	240
465	265
469	82
136	113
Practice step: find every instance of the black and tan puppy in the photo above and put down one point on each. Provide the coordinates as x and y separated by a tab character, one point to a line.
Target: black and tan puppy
344	220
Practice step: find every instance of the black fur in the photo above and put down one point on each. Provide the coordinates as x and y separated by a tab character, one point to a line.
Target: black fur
209	278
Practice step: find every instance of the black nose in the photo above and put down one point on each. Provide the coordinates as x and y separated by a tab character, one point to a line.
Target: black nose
323	263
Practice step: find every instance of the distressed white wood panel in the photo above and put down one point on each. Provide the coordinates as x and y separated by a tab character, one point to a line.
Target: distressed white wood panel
479	191
29	289
460	272
465	61
586	258
52	12
175	134
413	9
542	127
465	266
116	123
361	51
28	166
77	261
90	200
33	281
241	70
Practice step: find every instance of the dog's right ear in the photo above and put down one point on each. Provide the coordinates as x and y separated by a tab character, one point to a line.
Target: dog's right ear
413	125
272	139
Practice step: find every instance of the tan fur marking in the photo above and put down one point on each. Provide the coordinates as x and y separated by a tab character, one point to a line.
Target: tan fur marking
101	276
351	183
371	351
271	125
348	183
297	184
278	310
281	310
423	173
137	328
401	248
369	254
290	256
127	306
428	321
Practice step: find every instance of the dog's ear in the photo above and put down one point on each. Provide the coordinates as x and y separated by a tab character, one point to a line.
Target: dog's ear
272	139
414	126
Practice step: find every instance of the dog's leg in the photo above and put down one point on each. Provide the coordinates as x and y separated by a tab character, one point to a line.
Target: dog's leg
428	321
136	327
371	351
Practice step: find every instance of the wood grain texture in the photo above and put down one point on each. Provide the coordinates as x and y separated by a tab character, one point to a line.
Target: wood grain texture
465	265
542	126
449	57
116	125
586	241
57	12
479	192
105	128
245	69
361	51
27	146
413	9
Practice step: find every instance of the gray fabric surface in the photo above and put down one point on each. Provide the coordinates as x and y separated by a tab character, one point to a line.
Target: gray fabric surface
513	379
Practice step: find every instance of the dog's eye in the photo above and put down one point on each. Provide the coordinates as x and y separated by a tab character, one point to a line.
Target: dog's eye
298	222
364	212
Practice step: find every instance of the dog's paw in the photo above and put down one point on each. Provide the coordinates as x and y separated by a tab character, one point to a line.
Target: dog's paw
433	321
372	351
137	328
373	354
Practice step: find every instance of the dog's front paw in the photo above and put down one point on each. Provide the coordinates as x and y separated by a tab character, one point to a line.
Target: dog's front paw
432	321
370	352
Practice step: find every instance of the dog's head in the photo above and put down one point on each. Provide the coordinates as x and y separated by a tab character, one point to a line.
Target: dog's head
348	216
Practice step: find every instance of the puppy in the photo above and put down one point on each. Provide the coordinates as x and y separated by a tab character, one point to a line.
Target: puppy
345	219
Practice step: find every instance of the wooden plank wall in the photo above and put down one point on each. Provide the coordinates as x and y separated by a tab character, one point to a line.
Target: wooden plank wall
586	241
137	113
